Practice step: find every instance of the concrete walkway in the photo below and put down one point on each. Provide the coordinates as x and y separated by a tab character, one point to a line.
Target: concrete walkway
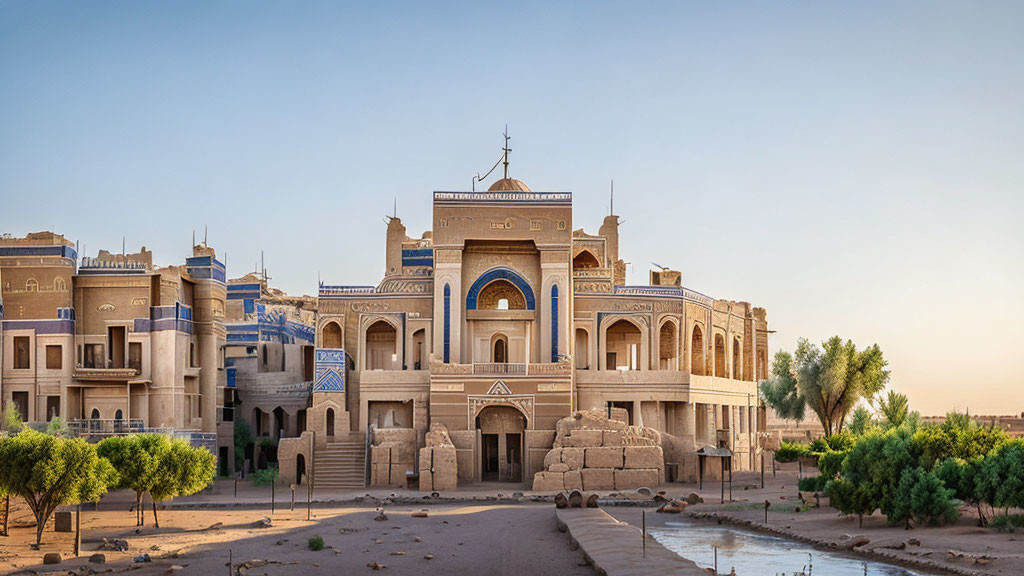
616	548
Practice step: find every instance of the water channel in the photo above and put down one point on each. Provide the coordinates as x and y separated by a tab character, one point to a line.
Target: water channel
754	554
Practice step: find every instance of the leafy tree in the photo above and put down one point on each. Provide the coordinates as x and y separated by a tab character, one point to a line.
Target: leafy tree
850	498
1002	477
12	423
830	380
57	427
958	421
137	459
964	478
183	469
781	391
894	409
48	471
860	420
922	497
875	465
790	452
243	439
830	464
933	444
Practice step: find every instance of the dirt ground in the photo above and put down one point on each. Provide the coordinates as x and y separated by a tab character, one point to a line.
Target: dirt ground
1002	554
493	539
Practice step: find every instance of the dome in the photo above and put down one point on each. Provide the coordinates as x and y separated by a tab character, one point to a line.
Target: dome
509	185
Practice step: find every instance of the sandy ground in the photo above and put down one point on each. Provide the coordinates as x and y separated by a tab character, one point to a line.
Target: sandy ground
492	539
1005	551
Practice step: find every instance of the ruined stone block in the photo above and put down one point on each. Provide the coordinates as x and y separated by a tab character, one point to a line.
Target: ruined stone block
398	474
583	439
598	478
573	480
573	457
637	478
553	457
604	458
644	457
611	438
558	467
548	482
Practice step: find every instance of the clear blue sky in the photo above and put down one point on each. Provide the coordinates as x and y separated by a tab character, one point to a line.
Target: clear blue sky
855	168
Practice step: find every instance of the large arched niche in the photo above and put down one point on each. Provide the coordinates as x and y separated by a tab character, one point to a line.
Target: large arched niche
500	274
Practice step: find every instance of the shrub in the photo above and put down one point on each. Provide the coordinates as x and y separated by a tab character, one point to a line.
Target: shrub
875	466
316	543
1007	523
923	498
830	464
790	452
812	483
264	477
850	498
12	423
243	439
860	421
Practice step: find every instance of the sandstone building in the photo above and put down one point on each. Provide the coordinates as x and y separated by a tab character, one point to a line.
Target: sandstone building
500	321
115	344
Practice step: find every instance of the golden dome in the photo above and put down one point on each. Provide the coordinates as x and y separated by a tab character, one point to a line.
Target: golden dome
509	185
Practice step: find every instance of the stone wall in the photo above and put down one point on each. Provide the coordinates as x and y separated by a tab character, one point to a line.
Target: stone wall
594	452
439	468
392	455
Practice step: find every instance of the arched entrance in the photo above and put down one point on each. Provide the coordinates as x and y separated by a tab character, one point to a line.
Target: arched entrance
300	468
501	443
330	421
499	349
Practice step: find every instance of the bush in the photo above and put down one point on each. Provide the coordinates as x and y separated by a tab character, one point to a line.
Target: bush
316	543
12	423
923	498
1007	523
243	439
812	483
790	452
830	464
264	477
849	498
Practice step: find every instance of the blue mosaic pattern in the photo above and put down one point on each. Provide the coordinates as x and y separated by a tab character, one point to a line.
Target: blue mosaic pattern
329	373
500	273
232	374
554	322
447	322
206	267
418	257
62	251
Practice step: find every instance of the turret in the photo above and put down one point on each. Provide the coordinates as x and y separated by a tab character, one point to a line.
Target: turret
396	235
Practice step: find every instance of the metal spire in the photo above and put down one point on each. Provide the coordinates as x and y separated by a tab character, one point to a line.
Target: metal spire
506	150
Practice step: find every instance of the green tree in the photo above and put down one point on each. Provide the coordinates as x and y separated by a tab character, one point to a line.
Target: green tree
12	423
850	498
137	459
243	439
876	463
964	477
860	421
182	470
894	409
921	497
49	471
1003	476
830	380
57	427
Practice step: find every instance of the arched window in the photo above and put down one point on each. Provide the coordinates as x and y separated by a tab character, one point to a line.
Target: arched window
582	349
447	323
501	295
330	421
95	414
381	351
667	348
554	322
118	415
32	285
585	259
418	342
330	336
697	352
720	370
622	346
737	359
499	349
60	285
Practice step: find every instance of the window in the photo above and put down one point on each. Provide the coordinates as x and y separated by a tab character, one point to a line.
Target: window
60	285
502	303
22	353
135	355
32	285
53	357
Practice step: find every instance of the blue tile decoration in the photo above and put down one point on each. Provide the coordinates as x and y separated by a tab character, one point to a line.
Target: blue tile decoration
418	257
554	322
62	251
500	273
447	322
232	374
329	372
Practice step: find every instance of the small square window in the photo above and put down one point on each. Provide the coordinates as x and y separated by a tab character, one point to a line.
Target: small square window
22	353
54	358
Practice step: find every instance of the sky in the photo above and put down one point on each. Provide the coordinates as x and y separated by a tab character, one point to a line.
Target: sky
854	168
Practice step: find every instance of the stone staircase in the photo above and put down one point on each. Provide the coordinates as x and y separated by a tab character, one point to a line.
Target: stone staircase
342	464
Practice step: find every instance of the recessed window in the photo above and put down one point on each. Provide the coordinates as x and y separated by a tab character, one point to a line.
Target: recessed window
22	354
32	285
53	358
503	304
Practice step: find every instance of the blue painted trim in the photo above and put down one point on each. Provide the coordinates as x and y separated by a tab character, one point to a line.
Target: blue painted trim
500	273
62	251
447	322
41	326
554	322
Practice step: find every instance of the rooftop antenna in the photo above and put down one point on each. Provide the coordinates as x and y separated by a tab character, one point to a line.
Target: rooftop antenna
124	257
395	211
263	267
193	237
611	200
506	150
503	158
206	230
663	268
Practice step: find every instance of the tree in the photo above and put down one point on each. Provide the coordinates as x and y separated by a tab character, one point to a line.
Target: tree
830	380
894	409
860	420
922	497
875	465
781	391
49	471
183	470
849	498
137	459
1003	476
964	477
243	439
12	423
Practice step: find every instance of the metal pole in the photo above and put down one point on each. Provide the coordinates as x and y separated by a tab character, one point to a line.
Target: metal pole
762	470
644	517
230	562
293	498
773	465
272	495
715	548
78	529
236	484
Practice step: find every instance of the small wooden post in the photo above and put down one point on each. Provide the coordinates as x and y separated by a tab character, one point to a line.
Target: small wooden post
230	563
644	521
773	465
272	494
236	486
715	548
762	470
293	499
766	505
78	529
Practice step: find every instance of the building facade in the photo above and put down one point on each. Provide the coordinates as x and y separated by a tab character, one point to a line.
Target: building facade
503	319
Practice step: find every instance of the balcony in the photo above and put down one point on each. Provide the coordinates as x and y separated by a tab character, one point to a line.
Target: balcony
104	374
501	369
104	427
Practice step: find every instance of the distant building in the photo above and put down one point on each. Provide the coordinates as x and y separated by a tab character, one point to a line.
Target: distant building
114	345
